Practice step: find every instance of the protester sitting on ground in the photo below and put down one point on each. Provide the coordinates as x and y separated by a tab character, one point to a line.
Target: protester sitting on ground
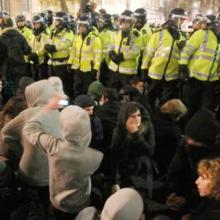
200	142
167	132
125	204
28	160
208	185
88	104
132	148
71	161
12	108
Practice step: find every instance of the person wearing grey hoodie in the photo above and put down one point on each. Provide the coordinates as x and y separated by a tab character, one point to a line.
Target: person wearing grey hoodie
125	204
71	161
29	160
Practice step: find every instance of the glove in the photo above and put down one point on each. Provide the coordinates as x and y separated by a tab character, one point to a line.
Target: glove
94	74
114	57
69	70
33	57
50	48
183	73
121	57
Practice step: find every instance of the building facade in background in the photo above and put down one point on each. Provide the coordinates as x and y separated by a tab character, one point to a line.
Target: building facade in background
157	10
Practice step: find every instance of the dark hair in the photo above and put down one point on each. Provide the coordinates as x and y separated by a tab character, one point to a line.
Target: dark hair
110	93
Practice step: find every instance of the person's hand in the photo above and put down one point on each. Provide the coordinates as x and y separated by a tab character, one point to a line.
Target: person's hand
33	57
115	188
50	48
52	104
175	202
186	217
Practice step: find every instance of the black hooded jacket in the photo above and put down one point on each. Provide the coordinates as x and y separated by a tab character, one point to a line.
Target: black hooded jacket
131	153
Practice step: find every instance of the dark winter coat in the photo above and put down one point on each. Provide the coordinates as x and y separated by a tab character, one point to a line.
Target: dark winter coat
16	47
167	137
131	153
209	209
182	172
108	113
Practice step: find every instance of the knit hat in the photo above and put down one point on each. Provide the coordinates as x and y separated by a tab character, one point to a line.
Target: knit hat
174	107
125	204
84	101
203	127
95	90
57	84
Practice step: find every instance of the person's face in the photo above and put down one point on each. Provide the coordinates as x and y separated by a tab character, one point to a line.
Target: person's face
37	25
138	22
57	23
125	25
133	122
89	110
21	23
203	25
196	26
140	87
203	185
83	29
193	142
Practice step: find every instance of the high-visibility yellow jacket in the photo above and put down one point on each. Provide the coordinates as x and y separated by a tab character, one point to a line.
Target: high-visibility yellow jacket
62	41
86	54
130	47
202	55
106	38
161	56
27	33
37	45
147	33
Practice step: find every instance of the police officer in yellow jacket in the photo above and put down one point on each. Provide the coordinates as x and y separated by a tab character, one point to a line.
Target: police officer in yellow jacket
199	67
160	60
85	56
58	49
37	57
105	28
124	51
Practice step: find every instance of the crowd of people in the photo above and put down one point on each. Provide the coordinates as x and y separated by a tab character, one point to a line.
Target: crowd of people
104	117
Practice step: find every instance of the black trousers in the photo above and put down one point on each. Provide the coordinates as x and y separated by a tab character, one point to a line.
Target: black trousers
199	94
65	76
82	80
162	91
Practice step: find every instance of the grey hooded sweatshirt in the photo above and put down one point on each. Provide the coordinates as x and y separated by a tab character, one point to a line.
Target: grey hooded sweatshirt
125	204
32	162
71	161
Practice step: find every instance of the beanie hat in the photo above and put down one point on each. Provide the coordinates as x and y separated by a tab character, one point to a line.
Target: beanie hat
203	127
84	101
123	205
95	90
174	107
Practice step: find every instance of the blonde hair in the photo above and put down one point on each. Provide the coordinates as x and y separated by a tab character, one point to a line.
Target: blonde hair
211	169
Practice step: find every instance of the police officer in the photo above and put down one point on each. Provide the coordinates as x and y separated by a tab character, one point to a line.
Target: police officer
85	56
124	51
198	67
58	49
105	28
37	56
160	60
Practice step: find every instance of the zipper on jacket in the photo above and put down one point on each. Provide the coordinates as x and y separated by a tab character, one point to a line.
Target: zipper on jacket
171	50
119	49
80	52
